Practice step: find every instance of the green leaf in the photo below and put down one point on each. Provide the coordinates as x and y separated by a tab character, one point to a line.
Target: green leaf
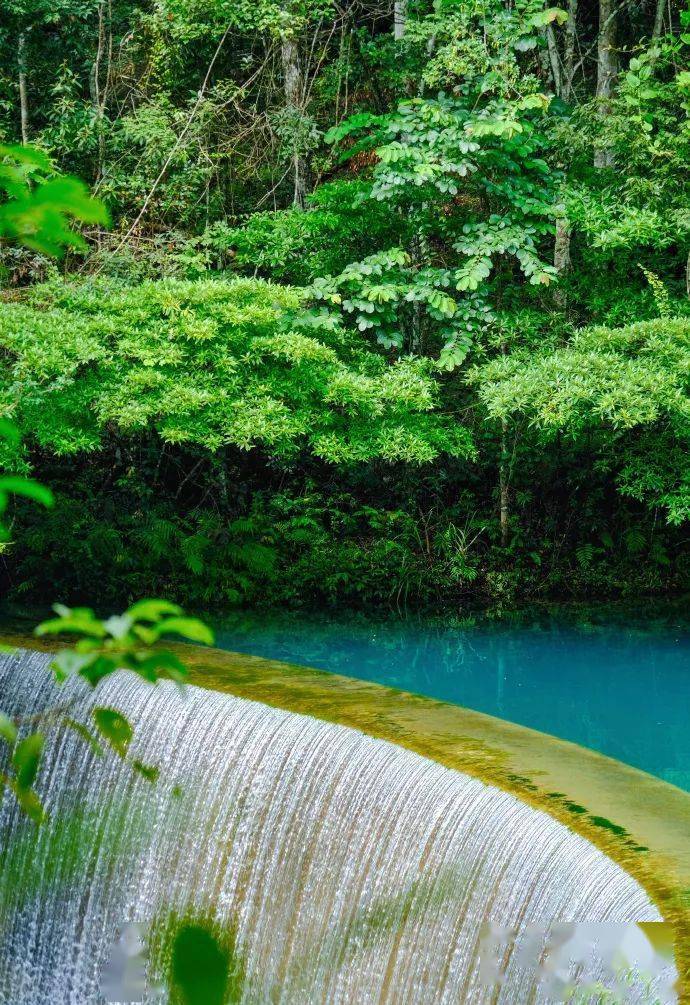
30	803
19	486
8	730
86	735
26	155
151	610
189	628
71	196
161	663
545	17
353	124
99	666
114	728
9	432
26	759
79	620
68	663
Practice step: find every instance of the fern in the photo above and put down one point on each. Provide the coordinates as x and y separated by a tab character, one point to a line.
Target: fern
635	540
584	555
193	551
157	537
254	558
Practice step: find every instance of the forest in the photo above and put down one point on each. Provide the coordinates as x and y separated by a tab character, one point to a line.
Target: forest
368	305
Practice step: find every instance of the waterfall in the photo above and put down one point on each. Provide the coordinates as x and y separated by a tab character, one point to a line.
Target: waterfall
350	870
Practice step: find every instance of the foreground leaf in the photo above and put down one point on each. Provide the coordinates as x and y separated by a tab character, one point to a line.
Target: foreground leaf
26	759
114	728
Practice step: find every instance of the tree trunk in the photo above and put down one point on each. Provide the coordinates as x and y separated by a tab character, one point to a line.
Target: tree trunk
504	485
399	18
23	90
607	69
97	100
569	53
294	94
659	19
554	60
561	256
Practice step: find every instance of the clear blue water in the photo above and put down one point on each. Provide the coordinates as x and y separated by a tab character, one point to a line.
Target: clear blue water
612	682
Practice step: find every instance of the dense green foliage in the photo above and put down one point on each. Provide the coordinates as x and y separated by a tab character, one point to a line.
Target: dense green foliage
628	385
211	364
384	318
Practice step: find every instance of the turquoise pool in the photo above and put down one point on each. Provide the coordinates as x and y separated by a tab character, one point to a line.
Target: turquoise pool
617	683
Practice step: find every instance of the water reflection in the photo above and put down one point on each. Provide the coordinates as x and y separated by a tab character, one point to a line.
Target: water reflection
608	679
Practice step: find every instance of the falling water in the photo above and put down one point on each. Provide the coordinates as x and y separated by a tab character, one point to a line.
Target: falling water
350	870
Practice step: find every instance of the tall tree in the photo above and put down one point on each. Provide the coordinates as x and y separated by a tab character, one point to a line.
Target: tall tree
399	19
293	82
569	53
23	88
607	68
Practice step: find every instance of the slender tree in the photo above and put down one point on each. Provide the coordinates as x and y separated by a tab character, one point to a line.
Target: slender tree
569	53
293	83
399	19
23	87
607	68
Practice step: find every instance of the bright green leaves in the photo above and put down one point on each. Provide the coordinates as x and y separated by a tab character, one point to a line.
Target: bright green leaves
371	130
40	206
24	766
498	236
26	759
152	610
354	124
548	16
447	145
123	642
647	133
478	48
455	351
383	294
114	729
8	730
9	432
264	376
191	629
472	275
631	382
17	485
76	620
444	163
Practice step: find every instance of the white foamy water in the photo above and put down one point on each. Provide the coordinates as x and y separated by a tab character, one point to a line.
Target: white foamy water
351	870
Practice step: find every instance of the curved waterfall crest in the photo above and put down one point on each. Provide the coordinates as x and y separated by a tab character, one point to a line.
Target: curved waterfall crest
350	870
